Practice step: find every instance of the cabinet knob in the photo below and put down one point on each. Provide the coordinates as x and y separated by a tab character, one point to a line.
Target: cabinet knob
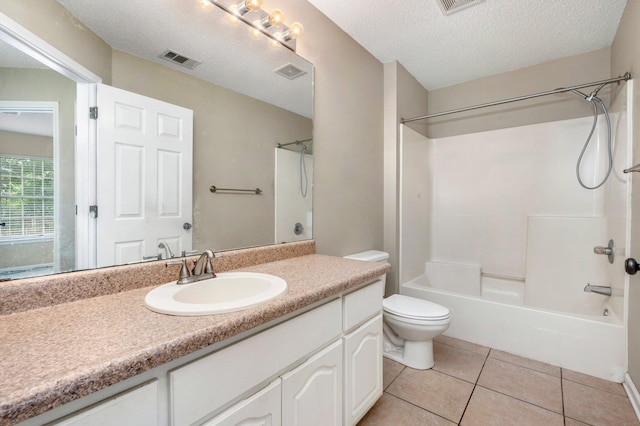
631	266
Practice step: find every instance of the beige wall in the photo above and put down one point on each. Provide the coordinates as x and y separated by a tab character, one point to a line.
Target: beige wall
29	145
47	85
26	254
564	72
348	136
625	56
403	97
51	22
233	147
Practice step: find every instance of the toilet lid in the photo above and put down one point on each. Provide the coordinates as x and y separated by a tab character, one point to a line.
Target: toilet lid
411	307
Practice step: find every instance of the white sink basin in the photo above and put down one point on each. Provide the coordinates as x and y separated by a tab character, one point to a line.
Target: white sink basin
228	292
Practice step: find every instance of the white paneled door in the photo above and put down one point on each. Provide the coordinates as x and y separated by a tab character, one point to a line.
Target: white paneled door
144	169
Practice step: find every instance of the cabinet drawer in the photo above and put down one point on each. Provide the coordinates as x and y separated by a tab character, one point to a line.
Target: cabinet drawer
362	304
138	406
200	388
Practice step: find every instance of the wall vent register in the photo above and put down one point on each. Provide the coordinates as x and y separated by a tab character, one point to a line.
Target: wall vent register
450	6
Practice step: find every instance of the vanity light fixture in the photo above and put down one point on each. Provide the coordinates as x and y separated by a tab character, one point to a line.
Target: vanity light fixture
295	31
205	5
248	6
275	19
261	23
231	16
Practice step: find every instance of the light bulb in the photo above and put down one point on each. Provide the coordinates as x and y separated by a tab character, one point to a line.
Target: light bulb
255	33
296	30
231	18
276	18
205	5
253	4
248	5
274	43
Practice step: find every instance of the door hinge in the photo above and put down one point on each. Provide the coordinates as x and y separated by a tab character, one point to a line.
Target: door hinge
93	211
93	113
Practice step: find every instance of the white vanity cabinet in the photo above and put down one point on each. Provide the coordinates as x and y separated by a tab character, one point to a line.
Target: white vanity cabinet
202	387
362	325
261	409
135	407
322	367
312	393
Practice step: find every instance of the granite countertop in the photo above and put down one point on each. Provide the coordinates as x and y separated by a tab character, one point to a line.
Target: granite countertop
54	355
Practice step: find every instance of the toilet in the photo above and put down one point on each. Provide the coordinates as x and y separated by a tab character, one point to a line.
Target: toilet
410	324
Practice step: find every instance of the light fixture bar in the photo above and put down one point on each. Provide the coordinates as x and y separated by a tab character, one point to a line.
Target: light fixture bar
289	44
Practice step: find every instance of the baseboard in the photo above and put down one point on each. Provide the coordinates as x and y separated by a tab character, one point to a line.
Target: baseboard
632	392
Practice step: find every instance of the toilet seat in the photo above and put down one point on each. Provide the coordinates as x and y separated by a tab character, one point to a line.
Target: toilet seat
415	309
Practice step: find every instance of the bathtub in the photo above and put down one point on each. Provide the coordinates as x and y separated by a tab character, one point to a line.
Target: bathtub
590	344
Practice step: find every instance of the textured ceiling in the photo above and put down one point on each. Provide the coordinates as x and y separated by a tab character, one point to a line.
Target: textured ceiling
30	123
491	37
13	58
229	56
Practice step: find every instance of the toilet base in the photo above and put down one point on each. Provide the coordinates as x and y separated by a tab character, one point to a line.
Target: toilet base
417	355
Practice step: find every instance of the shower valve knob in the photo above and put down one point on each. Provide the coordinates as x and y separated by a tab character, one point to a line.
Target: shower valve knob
631	266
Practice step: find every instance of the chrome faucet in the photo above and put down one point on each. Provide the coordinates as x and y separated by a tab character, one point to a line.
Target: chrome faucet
605	291
202	268
167	250
203	265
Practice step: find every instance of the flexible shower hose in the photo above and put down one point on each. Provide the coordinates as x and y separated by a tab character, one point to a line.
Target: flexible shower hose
303	170
593	100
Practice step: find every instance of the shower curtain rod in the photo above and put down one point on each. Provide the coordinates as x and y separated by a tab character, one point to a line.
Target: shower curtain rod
280	145
625	77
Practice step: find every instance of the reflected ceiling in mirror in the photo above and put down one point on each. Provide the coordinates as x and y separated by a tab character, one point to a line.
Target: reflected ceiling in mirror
227	55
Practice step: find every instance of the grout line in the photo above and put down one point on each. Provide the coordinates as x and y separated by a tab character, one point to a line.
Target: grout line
522	400
421	408
529	368
463	349
475	385
395	378
598	389
564	418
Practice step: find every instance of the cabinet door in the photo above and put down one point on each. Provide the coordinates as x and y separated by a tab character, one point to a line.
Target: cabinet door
312	393
260	409
362	370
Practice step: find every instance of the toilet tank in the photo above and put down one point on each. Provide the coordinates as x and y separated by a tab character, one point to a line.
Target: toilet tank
371	256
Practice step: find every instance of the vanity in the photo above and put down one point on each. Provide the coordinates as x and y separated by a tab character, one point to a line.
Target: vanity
311	356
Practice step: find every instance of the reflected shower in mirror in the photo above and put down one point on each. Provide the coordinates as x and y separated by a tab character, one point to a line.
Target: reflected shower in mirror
242	109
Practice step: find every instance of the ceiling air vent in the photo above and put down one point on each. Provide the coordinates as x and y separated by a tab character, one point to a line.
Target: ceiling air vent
179	59
450	6
290	71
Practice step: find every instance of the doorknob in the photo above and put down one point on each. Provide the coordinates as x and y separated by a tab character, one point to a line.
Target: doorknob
631	266
186	226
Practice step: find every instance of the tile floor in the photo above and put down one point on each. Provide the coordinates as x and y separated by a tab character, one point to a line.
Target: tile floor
476	385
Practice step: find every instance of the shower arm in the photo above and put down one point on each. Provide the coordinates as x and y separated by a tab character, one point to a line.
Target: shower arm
280	145
601	83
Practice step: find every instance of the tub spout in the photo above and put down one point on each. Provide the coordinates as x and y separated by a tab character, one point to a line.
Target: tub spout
605	291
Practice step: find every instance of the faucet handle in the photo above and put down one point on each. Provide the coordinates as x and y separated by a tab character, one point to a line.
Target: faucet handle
184	270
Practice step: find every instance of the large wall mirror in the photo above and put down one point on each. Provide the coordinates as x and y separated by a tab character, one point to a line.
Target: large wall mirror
251	129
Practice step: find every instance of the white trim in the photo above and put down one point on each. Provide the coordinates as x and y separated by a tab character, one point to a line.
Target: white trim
24	40
29	43
632	393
